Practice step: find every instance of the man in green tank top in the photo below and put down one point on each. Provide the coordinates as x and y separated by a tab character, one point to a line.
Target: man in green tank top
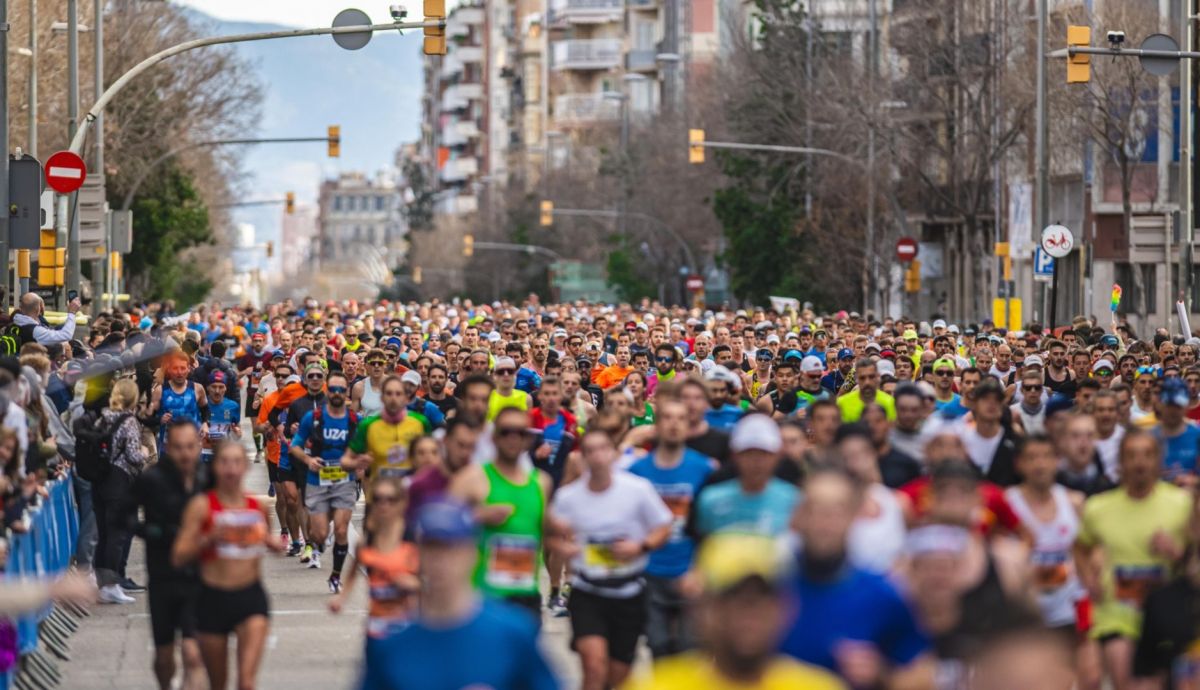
509	498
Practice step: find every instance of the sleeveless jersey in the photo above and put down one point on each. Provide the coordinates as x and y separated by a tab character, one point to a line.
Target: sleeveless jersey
1054	576
241	533
179	405
510	554
390	605
222	417
371	401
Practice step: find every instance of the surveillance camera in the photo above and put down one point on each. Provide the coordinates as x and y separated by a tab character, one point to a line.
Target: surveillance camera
1116	37
398	12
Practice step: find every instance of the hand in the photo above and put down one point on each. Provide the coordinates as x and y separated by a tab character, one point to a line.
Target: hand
314	464
626	549
166	418
1162	544
859	662
336	602
542	452
494	514
1187	480
204	430
292	429
74	306
236	430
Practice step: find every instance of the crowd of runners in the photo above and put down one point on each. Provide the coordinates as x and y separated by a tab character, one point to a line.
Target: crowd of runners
748	498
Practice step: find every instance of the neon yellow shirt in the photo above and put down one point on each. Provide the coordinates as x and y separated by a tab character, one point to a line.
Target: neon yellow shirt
497	401
1123	527
852	405
692	671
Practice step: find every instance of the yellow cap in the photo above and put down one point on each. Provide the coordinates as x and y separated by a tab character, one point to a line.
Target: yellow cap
725	560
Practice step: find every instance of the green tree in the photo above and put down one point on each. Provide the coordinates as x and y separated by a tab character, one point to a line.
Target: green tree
168	217
625	273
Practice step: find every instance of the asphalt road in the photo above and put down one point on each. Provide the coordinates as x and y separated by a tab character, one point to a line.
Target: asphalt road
308	647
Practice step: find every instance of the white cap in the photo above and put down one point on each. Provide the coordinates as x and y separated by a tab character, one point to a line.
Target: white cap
953	328
452	312
1034	361
773	338
940	323
1100	364
493	337
719	373
811	364
502	362
412	377
885	368
755	432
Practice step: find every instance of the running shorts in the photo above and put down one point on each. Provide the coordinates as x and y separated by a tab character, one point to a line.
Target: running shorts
619	621
220	611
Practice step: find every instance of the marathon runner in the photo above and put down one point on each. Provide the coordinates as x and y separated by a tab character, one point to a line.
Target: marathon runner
224	415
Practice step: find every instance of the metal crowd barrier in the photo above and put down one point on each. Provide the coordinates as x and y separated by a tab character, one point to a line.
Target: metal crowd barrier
44	551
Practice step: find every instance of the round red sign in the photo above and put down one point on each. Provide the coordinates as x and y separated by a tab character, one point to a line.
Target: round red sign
65	172
906	249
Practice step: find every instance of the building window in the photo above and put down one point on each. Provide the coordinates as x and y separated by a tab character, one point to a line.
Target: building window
379	201
1131	300
337	203
643	34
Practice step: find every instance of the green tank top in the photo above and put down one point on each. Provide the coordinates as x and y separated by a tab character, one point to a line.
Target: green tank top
510	554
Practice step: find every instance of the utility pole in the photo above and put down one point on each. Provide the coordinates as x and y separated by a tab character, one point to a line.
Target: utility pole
33	81
72	239
1187	134
869	264
4	143
103	267
1041	150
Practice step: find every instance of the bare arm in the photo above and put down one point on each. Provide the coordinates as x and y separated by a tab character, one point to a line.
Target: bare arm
191	541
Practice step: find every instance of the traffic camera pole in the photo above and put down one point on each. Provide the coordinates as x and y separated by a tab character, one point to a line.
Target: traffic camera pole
4	146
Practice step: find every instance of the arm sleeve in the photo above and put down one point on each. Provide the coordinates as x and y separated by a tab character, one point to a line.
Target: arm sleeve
46	336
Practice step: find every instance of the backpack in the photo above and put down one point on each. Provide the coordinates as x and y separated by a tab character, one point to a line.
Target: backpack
94	444
12	337
316	440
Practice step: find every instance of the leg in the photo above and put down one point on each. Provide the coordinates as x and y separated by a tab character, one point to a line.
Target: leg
291	497
554	566
1118	662
164	666
318	530
618	671
659	617
215	651
593	657
85	549
1087	665
251	639
341	538
194	674
105	575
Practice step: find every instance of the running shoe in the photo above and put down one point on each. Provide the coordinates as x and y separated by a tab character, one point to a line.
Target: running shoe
270	491
335	584
295	549
258	457
113	594
284	539
128	585
315	562
307	554
557	606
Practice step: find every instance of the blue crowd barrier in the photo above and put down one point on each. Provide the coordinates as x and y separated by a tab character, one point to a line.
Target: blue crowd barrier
43	551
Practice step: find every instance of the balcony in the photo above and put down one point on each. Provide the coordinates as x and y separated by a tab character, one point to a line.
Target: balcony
587	54
585	11
586	108
642	4
459	169
456	204
469	54
459	96
641	60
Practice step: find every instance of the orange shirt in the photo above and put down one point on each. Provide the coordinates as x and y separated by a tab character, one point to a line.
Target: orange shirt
278	399
612	376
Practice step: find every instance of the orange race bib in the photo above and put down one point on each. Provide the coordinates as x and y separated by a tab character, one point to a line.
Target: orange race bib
1051	569
1131	583
240	534
512	561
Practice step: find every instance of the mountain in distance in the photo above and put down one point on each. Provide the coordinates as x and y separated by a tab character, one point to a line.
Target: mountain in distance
309	83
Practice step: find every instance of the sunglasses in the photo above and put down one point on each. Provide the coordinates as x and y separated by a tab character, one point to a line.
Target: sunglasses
665	359
505	372
1032	389
315	377
389	499
511	431
943	372
376	363
1104	372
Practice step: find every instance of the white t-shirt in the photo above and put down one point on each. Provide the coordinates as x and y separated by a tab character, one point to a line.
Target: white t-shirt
876	542
629	509
1109	450
981	450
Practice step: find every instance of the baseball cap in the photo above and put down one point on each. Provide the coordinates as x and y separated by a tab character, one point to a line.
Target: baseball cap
885	367
502	362
1034	361
216	377
935	539
944	363
793	354
1059	403
631	325
909	334
723	375
258	336
444	521
1174	392
755	432
1102	364
493	337
873	347
773	339
939	323
727	560
314	367
764	354
845	353
412	377
811	364
278	354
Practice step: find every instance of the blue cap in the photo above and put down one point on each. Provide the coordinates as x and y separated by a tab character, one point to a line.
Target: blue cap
793	354
845	353
1110	340
445	521
1059	403
1174	392
145	323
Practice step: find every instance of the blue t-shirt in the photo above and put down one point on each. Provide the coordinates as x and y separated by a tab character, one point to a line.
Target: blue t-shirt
1179	452
724	418
335	435
677	487
724	507
856	607
495	648
819	354
528	380
222	417
552	434
952	408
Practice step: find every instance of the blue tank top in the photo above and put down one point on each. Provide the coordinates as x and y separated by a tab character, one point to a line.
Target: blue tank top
179	406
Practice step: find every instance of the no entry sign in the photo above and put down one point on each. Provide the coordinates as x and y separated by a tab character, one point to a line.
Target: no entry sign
906	249
65	172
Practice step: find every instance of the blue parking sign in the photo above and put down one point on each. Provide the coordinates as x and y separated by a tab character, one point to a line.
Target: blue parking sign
1043	264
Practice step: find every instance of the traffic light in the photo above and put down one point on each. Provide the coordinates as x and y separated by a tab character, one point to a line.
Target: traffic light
695	146
60	266
416	276
547	213
435	36
468	245
912	278
334	138
1079	66
289	204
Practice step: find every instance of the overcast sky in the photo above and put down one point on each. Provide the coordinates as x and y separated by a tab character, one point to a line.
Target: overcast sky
305	13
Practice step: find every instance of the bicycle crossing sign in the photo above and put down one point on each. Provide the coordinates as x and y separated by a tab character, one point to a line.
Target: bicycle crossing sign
1057	241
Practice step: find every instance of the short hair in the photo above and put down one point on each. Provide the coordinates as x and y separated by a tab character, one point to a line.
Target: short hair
1089	384
474	380
864	363
217	348
392	379
342	376
818	405
33	348
439	365
665	347
465	421
970	370
1032	440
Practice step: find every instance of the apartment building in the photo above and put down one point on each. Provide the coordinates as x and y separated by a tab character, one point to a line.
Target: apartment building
356	212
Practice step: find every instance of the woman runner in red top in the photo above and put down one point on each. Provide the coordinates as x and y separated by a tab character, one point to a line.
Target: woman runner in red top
226	529
390	562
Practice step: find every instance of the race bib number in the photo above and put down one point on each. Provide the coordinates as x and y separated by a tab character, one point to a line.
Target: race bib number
512	561
1131	583
1051	569
332	474
240	534
678	498
397	456
598	557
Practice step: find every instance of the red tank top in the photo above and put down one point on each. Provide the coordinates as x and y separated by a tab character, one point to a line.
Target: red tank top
240	532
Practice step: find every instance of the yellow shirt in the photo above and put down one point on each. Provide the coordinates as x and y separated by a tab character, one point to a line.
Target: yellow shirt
496	402
693	671
387	443
1123	528
852	405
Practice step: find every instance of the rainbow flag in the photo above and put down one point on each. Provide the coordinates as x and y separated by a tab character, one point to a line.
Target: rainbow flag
1116	298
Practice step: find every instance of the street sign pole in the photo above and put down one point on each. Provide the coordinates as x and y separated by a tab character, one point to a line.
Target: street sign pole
4	146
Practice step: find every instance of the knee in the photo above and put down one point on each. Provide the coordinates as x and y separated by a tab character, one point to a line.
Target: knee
245	684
